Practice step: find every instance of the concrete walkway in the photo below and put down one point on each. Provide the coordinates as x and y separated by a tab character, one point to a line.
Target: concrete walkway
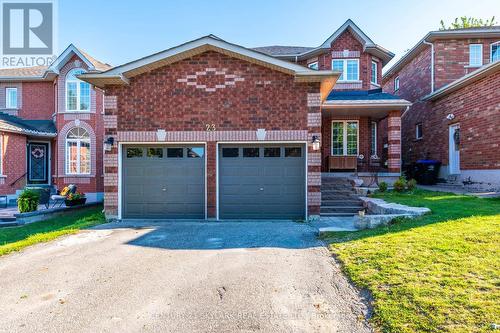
180	277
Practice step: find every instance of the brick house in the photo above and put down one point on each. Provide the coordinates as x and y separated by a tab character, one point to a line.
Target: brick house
452	78
210	129
51	126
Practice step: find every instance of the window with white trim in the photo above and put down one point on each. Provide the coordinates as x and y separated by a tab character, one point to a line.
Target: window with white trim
495	51
77	92
373	150
345	138
396	83
11	98
78	152
313	65
1	154
348	67
418	131
475	55
374	72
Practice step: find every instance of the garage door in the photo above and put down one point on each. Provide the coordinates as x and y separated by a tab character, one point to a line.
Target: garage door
262	181
163	182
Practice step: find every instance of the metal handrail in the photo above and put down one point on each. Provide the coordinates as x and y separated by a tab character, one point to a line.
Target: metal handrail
19	178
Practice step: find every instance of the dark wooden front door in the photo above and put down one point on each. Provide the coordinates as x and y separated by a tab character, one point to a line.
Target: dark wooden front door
38	163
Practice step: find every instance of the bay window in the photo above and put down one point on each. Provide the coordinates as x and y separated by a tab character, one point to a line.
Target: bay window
345	138
77	92
348	67
78	151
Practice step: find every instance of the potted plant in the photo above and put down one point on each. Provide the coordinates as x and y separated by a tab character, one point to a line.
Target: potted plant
75	199
28	201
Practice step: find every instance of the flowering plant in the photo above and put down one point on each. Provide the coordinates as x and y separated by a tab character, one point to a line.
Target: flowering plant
75	196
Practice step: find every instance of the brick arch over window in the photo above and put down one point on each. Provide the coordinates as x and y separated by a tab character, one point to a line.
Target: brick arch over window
61	147
73	63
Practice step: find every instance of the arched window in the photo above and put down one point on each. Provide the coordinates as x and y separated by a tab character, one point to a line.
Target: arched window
78	151
77	92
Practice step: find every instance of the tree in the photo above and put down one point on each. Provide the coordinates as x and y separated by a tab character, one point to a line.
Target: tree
468	22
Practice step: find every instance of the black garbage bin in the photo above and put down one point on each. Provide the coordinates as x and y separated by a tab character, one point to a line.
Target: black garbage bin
427	171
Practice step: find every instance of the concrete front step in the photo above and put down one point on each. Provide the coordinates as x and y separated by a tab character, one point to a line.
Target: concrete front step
334	196
342	202
338	191
338	214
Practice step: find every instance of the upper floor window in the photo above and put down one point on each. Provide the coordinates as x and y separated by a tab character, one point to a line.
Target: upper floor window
373	148
78	151
348	67
396	83
313	65
11	98
419	131
77	92
475	55
374	72
495	51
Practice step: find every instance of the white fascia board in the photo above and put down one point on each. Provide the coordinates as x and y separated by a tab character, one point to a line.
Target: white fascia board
61	60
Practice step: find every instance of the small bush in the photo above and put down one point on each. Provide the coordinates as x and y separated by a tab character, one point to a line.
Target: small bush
399	185
28	201
411	184
382	186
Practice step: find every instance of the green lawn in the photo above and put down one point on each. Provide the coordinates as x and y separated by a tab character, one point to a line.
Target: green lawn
437	273
17	238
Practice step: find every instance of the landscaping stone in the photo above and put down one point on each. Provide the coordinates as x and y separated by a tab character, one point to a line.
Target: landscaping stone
381	207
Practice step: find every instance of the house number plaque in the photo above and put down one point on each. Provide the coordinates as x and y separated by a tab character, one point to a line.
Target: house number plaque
210	127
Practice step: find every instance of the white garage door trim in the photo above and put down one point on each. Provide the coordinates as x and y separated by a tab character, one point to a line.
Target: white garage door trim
261	143
120	167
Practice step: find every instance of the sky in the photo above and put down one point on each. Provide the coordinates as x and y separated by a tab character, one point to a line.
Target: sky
117	31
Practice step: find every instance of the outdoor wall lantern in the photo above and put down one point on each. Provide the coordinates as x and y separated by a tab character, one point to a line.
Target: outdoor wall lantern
108	144
315	142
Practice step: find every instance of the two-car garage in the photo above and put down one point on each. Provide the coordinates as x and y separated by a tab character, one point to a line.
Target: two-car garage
255	181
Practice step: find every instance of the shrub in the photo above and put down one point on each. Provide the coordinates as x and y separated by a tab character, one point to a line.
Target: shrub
399	185
382	186
411	184
28	201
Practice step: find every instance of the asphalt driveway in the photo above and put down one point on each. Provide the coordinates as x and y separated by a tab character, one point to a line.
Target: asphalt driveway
179	277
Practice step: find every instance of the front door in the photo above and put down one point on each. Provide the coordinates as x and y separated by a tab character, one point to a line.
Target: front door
38	163
454	149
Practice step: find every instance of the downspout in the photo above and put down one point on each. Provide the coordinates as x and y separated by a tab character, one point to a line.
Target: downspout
432	64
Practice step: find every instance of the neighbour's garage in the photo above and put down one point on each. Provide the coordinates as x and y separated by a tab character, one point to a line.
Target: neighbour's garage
163	182
259	181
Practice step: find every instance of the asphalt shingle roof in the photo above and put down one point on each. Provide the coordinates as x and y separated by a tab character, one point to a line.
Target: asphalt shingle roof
29	127
276	50
24	71
370	95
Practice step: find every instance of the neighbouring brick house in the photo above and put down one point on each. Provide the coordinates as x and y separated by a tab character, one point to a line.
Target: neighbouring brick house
452	78
51	126
209	129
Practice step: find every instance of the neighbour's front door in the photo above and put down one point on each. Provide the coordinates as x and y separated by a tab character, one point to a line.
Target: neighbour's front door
38	163
454	149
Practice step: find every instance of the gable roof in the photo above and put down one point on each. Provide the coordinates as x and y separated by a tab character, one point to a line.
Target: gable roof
295	53
476	32
48	73
121	74
472	77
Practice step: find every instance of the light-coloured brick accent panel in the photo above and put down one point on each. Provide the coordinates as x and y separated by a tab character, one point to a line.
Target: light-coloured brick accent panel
394	122
81	116
77	180
314	198
313	99
111	179
342	86
314	178
110	160
314	119
346	54
202	136
110	102
314	159
110	121
394	135
111	199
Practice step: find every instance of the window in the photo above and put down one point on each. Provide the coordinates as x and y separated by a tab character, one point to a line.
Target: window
396	83
475	55
373	150
1	154
293	152
495	51
78	151
374	72
345	138
11	98
418	131
313	65
175	152
155	152
272	152
348	67
77	92
230	152
250	152
195	152
134	152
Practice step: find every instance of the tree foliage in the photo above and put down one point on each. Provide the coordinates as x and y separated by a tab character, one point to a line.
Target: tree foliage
468	22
